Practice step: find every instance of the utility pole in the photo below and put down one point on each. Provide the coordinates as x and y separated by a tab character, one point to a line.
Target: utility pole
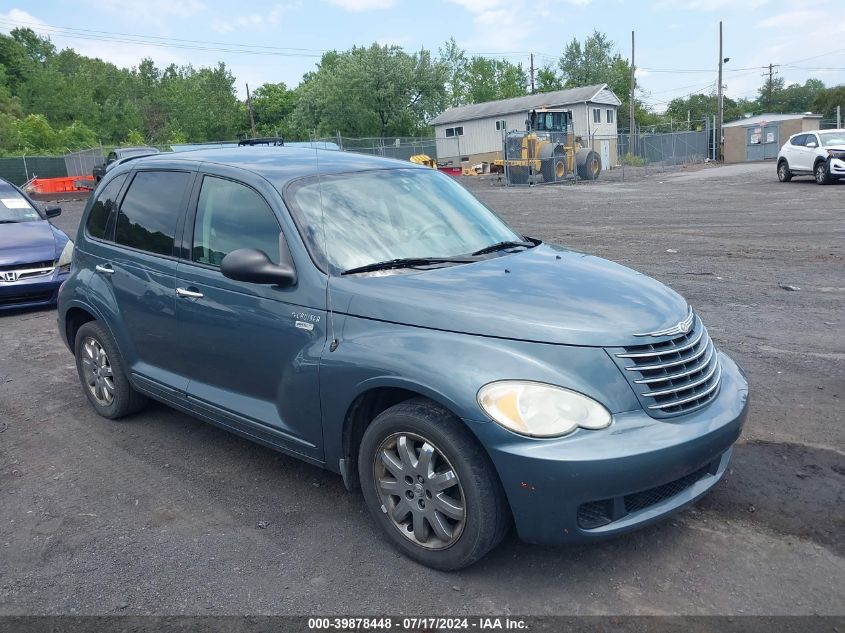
532	73
721	103
770	86
632	125
839	117
249	107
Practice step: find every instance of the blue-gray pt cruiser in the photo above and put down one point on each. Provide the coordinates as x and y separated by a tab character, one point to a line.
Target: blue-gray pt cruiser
374	318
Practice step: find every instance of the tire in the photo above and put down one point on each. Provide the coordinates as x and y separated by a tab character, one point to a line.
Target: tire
784	175
517	175
103	375
821	172
443	522
591	168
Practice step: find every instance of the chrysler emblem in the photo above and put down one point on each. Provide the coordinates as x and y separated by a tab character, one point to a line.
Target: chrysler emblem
681	327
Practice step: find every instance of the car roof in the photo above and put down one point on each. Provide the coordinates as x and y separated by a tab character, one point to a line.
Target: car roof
280	164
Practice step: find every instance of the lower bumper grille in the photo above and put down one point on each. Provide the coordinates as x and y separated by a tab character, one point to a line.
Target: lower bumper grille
24	298
595	514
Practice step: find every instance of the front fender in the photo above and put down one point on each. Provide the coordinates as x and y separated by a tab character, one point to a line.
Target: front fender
450	368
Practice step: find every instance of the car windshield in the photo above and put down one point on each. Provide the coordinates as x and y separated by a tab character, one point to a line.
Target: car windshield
832	138
381	215
15	208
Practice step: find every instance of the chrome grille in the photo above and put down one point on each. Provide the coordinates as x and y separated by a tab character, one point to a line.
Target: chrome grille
674	376
18	272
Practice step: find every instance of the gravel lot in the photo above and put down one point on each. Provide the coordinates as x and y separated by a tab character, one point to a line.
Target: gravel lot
159	513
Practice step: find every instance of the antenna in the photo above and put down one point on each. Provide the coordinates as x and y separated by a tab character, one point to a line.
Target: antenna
330	313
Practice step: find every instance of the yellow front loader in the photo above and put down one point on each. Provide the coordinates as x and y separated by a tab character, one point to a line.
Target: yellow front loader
548	149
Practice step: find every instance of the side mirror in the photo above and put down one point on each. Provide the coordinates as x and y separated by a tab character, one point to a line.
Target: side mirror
253	266
53	211
812	144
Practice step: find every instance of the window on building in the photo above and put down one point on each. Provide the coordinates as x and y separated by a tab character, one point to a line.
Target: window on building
459	131
596	115
501	125
148	214
232	216
450	132
610	115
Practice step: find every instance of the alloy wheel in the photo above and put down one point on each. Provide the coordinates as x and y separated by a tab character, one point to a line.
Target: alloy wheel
419	490
97	371
821	173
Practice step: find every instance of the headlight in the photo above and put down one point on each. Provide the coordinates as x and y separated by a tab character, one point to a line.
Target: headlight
539	410
65	258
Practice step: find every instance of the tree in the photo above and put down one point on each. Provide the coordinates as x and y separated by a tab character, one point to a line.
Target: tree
374	91
273	105
456	65
493	79
775	96
826	100
548	79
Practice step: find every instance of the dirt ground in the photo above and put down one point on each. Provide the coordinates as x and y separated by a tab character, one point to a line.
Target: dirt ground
159	514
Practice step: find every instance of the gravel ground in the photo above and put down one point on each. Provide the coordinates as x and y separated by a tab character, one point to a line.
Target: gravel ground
159	514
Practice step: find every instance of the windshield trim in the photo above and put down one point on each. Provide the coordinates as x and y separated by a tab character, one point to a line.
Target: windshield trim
289	190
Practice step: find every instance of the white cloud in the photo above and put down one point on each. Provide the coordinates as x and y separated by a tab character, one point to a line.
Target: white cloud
357	6
23	19
271	19
152	11
707	5
500	25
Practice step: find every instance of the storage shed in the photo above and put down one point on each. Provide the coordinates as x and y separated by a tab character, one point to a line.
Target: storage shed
475	133
761	137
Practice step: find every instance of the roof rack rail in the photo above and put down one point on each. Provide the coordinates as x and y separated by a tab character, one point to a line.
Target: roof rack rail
275	141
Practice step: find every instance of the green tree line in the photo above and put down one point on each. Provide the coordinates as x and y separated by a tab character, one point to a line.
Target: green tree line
54	101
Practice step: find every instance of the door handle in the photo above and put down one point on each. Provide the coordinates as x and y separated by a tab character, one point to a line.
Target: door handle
190	294
105	269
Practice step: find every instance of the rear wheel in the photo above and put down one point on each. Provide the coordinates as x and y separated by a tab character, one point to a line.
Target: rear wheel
784	175
102	373
822	173
554	167
591	168
430	486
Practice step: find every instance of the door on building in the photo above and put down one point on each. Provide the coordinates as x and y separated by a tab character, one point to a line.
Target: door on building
754	143
605	154
771	143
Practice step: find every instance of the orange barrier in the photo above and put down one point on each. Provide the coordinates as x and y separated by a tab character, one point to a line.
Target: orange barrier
59	185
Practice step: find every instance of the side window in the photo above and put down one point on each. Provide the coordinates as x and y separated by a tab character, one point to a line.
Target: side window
111	158
232	216
596	115
609	115
799	140
459	131
150	209
102	208
811	141
450	132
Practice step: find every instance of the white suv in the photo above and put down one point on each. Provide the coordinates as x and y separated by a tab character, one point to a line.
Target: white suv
820	154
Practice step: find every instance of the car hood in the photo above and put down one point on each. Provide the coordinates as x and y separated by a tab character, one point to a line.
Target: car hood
546	294
27	242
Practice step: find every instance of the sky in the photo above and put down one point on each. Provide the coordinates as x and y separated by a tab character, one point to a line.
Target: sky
677	41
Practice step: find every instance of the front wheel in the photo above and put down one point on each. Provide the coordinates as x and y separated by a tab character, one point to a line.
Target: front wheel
822	173
430	486
784	175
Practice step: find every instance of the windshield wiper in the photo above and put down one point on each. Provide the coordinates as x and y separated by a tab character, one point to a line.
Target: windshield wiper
407	262
500	246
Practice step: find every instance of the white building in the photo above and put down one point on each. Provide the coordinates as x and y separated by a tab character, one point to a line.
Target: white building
475	132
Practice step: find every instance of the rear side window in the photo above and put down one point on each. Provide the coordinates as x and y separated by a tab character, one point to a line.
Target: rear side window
102	208
150	209
232	216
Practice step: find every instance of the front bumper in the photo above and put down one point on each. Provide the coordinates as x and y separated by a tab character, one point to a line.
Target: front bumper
31	293
594	484
837	167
